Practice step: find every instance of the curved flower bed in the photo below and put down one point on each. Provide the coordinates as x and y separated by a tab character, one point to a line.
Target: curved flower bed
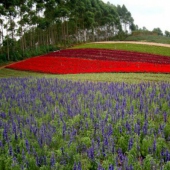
73	61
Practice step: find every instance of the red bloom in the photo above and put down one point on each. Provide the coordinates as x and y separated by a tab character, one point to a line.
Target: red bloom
93	61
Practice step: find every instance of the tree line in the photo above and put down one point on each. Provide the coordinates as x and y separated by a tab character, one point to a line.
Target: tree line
33	27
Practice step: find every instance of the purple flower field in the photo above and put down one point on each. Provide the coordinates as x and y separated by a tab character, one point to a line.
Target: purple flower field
60	124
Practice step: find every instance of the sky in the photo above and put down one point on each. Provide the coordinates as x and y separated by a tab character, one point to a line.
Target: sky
147	13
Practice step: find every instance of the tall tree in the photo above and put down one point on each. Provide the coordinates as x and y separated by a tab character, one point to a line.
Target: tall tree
158	31
38	24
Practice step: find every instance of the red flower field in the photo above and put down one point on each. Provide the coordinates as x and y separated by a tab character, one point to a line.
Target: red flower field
73	61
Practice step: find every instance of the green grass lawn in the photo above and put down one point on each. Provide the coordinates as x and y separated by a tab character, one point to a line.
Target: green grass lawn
105	77
129	47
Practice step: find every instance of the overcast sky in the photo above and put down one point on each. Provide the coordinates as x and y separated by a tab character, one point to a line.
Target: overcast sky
148	13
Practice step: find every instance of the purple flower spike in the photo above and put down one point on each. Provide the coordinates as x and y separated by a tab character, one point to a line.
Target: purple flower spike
165	117
52	160
111	167
27	146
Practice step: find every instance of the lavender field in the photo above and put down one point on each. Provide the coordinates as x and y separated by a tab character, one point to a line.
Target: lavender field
64	125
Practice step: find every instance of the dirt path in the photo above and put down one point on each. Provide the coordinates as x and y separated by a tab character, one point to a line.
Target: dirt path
135	42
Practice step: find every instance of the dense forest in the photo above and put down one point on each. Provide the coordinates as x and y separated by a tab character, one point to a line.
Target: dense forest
34	27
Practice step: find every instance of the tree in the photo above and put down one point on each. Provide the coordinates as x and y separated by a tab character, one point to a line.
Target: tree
158	31
167	33
52	22
125	17
144	28
133	27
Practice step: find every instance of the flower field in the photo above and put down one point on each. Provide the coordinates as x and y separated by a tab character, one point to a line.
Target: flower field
73	61
58	124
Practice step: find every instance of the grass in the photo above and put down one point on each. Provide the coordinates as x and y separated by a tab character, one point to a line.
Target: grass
129	47
104	77
149	38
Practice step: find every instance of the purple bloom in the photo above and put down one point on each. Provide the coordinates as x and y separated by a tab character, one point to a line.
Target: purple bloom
106	141
3	115
111	167
38	161
131	110
10	151
165	117
145	128
27	146
23	154
75	166
129	167
52	160
128	127
79	166
166	156
64	130
103	150
20	134
110	130
121	157
154	145
5	133
130	144
18	149
90	153
100	167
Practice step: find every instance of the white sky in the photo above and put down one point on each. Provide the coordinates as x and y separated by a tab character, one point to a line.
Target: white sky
148	13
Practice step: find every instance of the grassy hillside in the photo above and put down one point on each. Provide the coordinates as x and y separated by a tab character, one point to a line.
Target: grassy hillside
105	77
149	38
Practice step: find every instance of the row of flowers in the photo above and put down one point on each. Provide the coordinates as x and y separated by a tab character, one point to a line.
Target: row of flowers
68	65
115	55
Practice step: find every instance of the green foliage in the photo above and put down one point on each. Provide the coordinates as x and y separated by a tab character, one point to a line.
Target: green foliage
18	54
167	166
160	145
3	58
2	163
86	141
167	131
149	163
123	143
146	144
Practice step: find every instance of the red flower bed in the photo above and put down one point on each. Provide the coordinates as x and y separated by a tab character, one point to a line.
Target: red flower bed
115	55
67	65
